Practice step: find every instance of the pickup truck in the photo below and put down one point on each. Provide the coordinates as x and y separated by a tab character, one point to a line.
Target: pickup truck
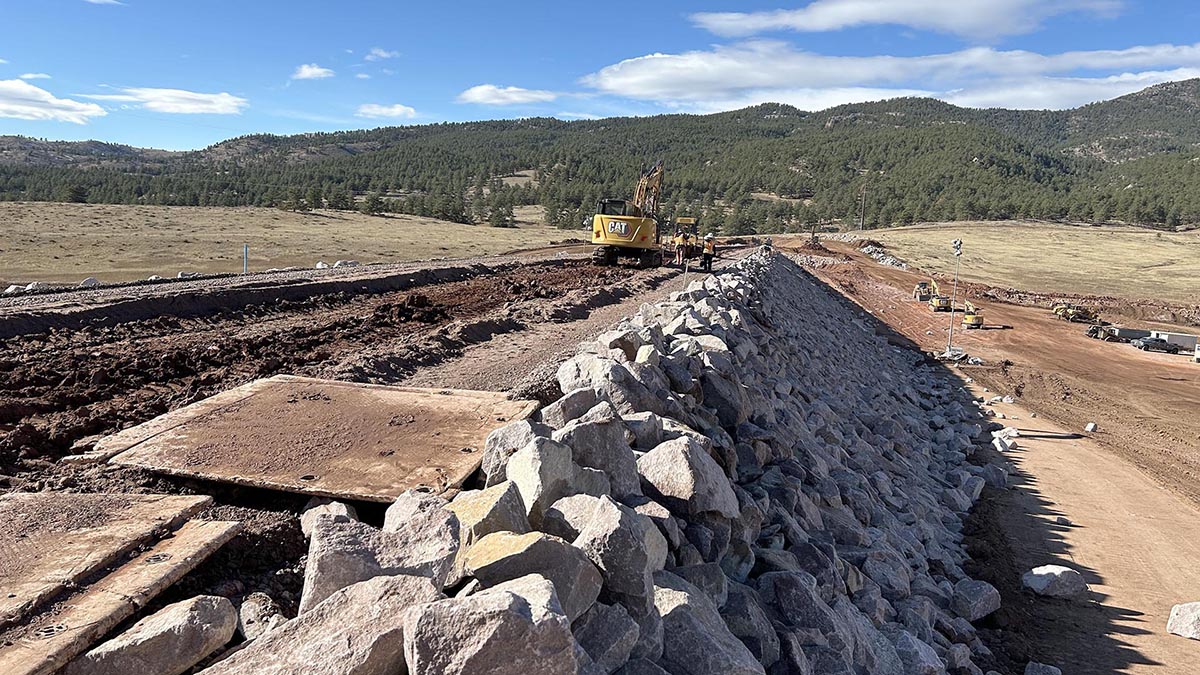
1153	344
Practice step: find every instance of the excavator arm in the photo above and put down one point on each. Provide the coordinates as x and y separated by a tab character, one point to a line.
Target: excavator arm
649	189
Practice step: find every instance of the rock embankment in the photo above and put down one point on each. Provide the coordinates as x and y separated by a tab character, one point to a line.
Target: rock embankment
743	479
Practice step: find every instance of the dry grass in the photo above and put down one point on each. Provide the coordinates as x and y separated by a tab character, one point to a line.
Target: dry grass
1117	261
68	242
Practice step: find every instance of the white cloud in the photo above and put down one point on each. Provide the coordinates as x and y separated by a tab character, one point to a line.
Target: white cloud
1056	93
578	116
378	54
490	94
756	71
23	101
311	71
362	76
177	101
986	19
34	76
377	111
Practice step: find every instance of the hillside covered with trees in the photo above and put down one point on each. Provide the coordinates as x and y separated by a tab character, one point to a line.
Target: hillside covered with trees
769	168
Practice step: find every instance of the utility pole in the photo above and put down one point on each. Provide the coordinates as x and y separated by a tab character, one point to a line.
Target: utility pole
862	211
957	243
245	258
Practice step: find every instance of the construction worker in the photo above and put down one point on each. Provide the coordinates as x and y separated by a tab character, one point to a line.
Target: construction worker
710	251
680	244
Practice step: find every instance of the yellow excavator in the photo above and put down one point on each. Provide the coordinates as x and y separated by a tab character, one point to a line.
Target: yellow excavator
972	316
937	301
629	229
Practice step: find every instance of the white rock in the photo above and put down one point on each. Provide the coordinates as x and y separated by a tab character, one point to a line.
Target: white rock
168	642
687	480
1185	620
318	506
503	556
90	282
1091	426
1055	581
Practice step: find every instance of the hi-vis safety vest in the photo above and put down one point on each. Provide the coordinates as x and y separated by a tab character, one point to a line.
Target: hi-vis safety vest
710	246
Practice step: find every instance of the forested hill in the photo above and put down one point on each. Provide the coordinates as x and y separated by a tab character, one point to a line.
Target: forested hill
767	168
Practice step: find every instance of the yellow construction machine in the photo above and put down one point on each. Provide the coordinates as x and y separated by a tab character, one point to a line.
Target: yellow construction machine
972	316
1076	313
922	291
629	229
937	301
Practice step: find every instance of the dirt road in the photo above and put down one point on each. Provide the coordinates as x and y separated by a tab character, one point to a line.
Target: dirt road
1135	543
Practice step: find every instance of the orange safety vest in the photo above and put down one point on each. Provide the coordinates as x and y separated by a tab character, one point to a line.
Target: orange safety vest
710	246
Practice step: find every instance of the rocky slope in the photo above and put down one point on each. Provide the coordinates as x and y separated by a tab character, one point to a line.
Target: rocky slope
744	479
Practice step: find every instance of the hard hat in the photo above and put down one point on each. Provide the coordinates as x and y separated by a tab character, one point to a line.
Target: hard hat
708	236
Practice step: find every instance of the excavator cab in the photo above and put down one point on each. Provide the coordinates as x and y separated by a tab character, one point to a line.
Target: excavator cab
629	228
921	291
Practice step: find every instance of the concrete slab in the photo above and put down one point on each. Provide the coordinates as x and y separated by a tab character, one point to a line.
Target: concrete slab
51	637
51	541
321	437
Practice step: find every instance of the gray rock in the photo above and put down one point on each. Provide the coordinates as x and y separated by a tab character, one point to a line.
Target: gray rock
795	597
615	541
355	631
1185	620
482	512
707	577
647	429
642	667
568	516
918	657
258	614
570	407
318	506
687	480
602	445
504	556
1035	668
542	472
168	642
974	599
414	508
514	629
745	618
341	553
608	634
1054	581
503	442
696	640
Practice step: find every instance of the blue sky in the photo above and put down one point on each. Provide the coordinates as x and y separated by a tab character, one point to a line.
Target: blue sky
183	74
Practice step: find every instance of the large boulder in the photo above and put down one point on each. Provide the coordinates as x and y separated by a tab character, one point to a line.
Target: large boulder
615	540
1185	620
543	473
341	553
687	480
569	408
1054	581
975	599
918	657
503	442
745	618
168	642
608	634
495	509
601	445
504	556
356	631
516	628
696	640
567	517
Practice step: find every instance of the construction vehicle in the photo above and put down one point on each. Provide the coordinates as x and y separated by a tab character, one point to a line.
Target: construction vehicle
921	291
1155	344
1076	313
629	228
937	301
690	229
972	317
1115	333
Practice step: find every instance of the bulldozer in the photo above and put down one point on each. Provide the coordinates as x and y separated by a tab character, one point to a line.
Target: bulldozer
972	316
937	301
1076	313
629	228
922	291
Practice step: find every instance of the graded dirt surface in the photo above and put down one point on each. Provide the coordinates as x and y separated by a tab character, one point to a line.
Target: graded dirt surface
1135	543
1128	262
1130	490
66	243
